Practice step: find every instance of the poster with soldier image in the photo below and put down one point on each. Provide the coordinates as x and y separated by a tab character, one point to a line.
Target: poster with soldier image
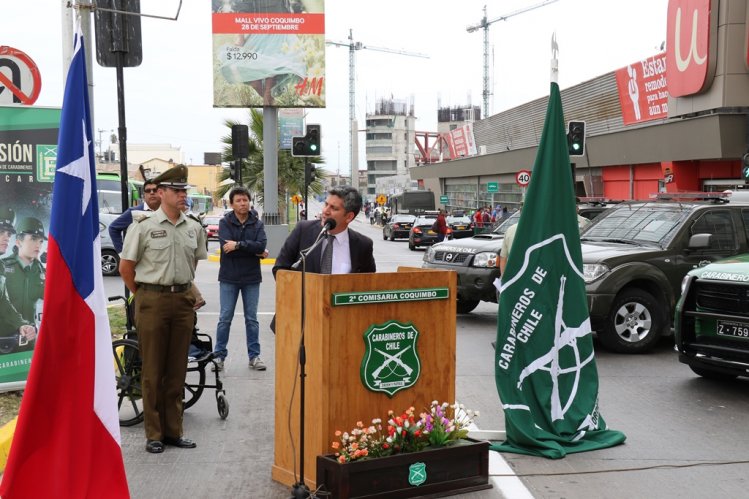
268	53
28	154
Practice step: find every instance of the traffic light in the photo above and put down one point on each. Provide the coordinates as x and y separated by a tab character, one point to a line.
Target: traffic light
309	174
235	172
576	138
240	141
309	145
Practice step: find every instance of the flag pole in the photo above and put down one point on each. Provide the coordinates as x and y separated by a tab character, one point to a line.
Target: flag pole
554	61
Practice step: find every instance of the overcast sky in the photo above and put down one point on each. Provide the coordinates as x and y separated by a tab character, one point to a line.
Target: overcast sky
169	97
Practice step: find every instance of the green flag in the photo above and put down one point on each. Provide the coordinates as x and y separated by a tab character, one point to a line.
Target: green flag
544	363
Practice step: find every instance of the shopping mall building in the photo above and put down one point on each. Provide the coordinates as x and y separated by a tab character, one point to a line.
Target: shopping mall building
674	122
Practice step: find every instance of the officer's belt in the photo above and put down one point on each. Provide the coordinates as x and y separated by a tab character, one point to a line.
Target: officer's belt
175	288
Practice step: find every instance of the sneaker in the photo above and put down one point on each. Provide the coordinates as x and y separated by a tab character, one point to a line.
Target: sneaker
219	364
257	364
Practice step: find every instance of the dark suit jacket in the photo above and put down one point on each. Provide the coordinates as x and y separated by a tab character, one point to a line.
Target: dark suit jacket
304	235
120	224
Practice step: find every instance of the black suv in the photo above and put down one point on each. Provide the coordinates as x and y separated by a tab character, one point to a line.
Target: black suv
636	255
476	260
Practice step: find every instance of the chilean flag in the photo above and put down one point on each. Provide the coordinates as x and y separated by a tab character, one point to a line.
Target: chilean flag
67	438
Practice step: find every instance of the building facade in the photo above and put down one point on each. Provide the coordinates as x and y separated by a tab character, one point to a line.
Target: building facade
674	122
390	141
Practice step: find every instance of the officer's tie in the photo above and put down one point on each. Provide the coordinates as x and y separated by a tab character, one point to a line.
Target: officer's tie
326	262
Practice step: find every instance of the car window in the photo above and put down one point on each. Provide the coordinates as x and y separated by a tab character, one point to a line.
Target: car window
643	223
211	220
720	225
402	218
458	220
512	220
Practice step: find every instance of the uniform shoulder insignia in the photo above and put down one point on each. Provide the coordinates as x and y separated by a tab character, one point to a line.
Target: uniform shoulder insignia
139	215
193	216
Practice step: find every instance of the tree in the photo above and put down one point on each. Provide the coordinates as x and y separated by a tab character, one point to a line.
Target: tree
290	169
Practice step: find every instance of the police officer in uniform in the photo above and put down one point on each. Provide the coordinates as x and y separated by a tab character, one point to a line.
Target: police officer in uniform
13	328
157	264
24	272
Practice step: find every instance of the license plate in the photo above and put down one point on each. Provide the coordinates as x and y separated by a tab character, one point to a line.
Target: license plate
736	329
460	227
431	232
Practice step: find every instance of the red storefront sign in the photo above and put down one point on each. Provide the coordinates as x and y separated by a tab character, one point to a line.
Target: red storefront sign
691	45
643	90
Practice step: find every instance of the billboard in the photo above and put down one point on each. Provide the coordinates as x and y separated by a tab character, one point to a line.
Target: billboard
268	53
643	90
28	156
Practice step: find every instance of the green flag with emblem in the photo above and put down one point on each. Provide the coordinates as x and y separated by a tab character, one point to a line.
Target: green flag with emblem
544	362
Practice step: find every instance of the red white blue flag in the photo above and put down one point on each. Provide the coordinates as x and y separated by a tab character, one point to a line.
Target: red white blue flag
67	438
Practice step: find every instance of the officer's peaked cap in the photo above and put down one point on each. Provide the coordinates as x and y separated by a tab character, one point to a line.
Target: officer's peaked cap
32	226
7	219
175	177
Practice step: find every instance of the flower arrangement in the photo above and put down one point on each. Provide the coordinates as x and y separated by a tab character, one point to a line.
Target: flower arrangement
443	425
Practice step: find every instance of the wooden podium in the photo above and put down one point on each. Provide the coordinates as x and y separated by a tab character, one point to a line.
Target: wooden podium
340	310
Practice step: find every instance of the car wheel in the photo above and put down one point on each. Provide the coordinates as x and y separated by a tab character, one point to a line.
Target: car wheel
392	236
710	374
411	245
634	324
465	306
110	263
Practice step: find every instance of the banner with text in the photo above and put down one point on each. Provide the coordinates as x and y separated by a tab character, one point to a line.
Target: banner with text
274	56
28	156
643	90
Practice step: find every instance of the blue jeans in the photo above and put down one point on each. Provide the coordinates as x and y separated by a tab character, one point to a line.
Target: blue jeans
228	294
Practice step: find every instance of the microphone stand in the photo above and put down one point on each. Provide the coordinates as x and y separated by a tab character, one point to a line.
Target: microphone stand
300	490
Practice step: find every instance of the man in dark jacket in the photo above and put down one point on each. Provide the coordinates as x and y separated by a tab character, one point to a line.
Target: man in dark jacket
151	202
352	252
242	240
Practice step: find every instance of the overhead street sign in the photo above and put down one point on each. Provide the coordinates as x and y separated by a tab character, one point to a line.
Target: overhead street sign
20	81
523	178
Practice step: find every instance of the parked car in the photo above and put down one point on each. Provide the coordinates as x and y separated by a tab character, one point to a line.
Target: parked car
711	324
636	255
461	226
211	226
398	226
110	260
421	233
476	260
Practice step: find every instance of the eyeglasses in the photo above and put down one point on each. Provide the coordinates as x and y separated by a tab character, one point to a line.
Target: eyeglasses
150	191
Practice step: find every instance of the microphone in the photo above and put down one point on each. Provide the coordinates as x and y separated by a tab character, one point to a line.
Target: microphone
329	225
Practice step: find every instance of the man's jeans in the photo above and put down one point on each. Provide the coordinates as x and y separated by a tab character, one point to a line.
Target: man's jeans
228	298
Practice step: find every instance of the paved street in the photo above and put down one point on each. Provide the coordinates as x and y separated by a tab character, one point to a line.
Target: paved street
670	417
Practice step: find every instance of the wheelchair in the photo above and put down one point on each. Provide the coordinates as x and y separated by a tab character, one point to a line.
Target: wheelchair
128	365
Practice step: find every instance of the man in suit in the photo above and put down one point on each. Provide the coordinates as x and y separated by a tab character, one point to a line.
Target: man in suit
352	252
117	228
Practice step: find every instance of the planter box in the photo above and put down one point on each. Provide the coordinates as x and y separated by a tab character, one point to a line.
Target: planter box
455	469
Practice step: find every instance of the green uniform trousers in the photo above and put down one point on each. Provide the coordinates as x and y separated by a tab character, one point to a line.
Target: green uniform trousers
164	322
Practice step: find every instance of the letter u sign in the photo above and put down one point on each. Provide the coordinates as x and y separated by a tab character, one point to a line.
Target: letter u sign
691	45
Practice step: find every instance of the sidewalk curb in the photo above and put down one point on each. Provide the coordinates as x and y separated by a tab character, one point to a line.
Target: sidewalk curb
6	438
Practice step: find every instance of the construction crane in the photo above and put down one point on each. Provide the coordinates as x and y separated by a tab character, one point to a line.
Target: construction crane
485	25
352	48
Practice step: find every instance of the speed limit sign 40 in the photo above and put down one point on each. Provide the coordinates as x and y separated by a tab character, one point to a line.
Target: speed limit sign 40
523	178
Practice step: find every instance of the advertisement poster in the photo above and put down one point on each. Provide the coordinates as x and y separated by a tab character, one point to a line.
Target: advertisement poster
643	90
28	155
268	53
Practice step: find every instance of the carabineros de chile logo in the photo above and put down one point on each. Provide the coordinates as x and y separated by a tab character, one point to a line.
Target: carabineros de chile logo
391	359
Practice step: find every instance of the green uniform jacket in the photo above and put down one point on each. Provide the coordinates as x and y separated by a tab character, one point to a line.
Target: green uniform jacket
10	319
25	285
